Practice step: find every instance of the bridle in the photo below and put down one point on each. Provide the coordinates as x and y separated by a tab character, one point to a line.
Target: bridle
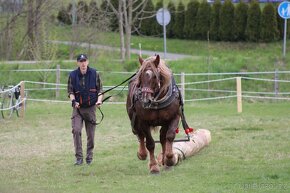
145	90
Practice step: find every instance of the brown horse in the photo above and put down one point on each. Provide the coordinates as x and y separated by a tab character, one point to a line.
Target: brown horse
154	100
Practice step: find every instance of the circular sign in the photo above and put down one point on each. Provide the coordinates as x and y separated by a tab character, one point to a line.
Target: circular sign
284	10
163	16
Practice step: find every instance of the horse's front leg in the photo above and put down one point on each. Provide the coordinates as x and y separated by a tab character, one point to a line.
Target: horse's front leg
142	152
162	137
169	159
150	145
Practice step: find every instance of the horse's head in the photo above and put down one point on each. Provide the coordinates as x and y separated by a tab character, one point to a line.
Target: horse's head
154	78
149	79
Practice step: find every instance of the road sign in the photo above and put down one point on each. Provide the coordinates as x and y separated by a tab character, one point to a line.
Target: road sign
284	10
163	16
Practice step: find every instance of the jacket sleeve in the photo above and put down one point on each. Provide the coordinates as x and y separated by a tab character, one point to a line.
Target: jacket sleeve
99	84
70	86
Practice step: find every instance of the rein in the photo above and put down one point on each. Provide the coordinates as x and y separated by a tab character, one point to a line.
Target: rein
102	114
116	87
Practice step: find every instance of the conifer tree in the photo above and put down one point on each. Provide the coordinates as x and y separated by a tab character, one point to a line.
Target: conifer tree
226	21
269	27
241	15
280	23
158	27
190	19
169	28
147	19
203	21
179	21
215	20
253	22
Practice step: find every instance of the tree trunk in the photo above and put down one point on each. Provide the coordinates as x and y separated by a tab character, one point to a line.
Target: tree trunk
121	27
30	21
128	28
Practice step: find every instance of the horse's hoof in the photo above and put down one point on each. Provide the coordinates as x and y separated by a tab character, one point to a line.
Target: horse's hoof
168	168
170	162
141	157
154	170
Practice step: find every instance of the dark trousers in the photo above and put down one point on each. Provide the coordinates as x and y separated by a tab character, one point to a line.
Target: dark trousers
77	125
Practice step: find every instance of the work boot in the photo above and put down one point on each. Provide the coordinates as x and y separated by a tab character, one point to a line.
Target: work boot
79	162
89	161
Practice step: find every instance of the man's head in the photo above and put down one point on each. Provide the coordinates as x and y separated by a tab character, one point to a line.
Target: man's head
83	63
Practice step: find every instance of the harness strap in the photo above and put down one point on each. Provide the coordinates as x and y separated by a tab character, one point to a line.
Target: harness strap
183	154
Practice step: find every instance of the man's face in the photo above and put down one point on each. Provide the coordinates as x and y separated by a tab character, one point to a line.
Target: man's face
83	64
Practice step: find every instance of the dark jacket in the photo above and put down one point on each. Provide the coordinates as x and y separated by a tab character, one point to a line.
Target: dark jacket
85	87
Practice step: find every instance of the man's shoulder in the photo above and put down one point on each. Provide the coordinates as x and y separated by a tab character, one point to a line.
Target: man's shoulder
73	72
93	70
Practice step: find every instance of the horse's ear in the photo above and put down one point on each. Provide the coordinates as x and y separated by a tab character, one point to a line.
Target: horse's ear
141	60
157	60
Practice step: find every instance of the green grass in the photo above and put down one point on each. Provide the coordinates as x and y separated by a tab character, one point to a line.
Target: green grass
249	152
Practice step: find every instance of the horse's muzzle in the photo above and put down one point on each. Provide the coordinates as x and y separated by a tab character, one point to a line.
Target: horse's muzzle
147	95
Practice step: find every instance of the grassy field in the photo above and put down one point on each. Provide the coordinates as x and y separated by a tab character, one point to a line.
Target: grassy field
249	152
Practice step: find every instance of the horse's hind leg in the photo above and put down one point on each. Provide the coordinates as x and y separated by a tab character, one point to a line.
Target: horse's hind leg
142	152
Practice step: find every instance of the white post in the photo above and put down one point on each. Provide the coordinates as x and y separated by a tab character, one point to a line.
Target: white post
22	95
239	94
182	80
57	81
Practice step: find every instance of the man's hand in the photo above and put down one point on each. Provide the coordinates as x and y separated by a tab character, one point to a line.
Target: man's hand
98	104
75	104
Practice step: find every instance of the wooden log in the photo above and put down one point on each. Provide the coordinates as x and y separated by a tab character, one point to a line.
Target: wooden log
182	150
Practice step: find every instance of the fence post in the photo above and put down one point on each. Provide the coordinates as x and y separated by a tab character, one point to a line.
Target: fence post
22	94
57	81
239	94
182	80
276	85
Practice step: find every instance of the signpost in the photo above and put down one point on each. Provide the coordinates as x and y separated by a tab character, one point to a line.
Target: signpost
163	18
284	12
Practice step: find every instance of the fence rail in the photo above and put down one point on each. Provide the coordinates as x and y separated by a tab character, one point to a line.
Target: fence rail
234	90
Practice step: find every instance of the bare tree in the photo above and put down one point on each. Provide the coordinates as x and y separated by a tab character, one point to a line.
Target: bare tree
10	12
124	13
89	22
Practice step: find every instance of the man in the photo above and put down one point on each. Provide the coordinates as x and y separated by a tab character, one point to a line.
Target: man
84	91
